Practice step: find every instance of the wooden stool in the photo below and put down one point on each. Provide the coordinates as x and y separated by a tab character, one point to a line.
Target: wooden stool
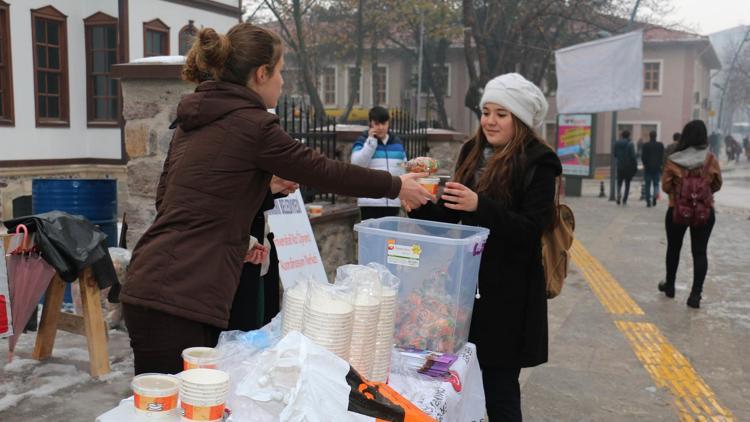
91	324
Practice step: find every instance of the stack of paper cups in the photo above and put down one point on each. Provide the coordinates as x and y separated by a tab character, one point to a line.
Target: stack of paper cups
293	308
364	334
384	337
328	322
203	394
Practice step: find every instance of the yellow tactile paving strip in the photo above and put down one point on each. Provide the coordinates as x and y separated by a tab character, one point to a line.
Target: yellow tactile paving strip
669	369
610	293
693	398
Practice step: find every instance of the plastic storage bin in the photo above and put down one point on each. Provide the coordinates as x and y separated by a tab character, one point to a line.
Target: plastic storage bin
438	264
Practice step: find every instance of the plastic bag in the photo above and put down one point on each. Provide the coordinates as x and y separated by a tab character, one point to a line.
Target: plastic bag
381	401
296	380
293	306
422	165
329	316
121	261
386	323
366	287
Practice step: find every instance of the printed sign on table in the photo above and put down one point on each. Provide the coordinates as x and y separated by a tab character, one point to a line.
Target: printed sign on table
574	144
299	257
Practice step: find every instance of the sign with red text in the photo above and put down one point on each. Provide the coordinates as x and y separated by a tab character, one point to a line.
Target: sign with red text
299	257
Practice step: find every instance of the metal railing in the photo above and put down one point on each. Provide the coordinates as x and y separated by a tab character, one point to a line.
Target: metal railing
413	137
299	121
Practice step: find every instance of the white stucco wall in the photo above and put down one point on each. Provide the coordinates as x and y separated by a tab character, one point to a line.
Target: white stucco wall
175	16
27	142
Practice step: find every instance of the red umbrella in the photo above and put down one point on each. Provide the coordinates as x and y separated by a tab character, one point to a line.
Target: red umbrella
28	278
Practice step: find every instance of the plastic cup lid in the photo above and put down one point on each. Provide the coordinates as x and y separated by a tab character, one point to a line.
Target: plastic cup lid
155	385
205	376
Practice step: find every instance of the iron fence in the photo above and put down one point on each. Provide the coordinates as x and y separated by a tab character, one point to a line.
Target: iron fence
299	121
413	137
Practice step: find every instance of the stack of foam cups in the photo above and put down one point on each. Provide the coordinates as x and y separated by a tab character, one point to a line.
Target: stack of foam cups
293	308
384	338
364	333
203	394
328	322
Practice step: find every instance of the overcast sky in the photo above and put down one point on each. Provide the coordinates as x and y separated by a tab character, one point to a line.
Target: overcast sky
709	16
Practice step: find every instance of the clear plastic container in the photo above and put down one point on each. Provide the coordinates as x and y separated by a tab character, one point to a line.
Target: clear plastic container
438	265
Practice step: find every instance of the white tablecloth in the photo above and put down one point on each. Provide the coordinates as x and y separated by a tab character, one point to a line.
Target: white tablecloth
437	398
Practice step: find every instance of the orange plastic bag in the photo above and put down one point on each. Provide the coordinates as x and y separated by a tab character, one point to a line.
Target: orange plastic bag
380	401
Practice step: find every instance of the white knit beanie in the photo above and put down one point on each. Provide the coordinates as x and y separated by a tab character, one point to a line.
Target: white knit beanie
519	96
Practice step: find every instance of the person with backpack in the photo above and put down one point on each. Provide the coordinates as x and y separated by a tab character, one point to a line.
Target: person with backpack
505	181
627	165
691	176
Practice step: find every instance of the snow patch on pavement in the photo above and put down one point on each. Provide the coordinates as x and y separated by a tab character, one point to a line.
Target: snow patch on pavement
44	381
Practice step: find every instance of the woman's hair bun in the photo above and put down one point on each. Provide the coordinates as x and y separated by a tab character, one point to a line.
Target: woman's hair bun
207	57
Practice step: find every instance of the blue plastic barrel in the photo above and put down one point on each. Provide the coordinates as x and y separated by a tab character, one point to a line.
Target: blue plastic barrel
95	199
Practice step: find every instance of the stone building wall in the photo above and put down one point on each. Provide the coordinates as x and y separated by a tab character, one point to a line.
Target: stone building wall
149	107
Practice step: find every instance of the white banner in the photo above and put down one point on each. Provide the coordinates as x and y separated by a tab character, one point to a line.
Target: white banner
602	75
298	252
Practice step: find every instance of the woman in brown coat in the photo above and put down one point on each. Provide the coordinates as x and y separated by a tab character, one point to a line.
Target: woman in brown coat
186	267
691	156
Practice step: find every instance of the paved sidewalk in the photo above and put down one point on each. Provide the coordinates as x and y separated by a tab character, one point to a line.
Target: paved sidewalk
594	373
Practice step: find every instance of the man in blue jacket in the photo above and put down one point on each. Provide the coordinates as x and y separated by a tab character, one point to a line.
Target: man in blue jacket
378	148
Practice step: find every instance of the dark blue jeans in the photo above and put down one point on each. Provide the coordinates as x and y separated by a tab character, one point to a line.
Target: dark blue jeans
651	178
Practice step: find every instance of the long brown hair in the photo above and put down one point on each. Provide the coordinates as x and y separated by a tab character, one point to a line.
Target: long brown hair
232	57
504	171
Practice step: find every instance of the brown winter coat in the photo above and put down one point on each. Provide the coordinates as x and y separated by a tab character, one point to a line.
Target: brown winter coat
216	175
679	163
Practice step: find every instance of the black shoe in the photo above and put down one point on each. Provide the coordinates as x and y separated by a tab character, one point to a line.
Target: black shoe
668	289
648	204
618	201
694	301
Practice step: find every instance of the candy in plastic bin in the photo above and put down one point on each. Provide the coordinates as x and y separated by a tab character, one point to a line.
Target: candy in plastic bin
422	165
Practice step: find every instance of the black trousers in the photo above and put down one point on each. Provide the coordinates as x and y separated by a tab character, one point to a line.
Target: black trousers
378	212
698	245
502	394
158	339
620	180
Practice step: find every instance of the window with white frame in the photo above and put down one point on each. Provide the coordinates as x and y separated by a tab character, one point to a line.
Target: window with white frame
328	86
354	84
380	86
652	77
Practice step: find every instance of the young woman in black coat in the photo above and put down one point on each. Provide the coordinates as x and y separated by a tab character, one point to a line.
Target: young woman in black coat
505	181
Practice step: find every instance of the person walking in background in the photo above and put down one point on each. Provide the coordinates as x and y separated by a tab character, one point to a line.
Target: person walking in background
653	158
671	148
379	149
627	165
714	141
505	181
746	144
737	150
729	148
691	176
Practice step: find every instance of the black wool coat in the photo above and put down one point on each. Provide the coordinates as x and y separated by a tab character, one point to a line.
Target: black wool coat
509	322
